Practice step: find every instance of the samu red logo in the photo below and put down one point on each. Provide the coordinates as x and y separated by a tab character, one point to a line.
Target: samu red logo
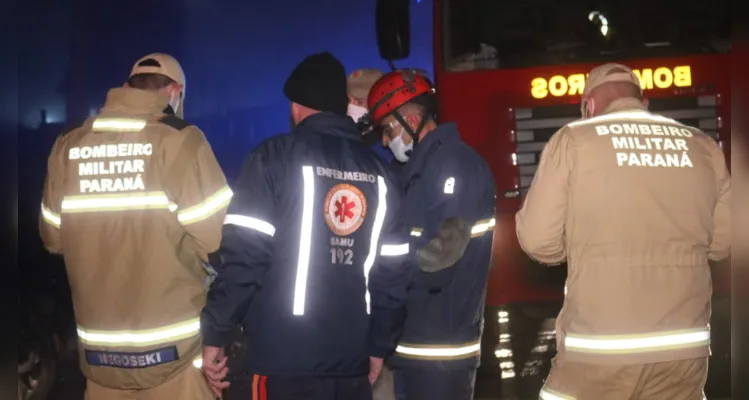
345	209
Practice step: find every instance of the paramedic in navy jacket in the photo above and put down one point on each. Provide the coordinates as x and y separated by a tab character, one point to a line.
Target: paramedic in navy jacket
449	204
315	258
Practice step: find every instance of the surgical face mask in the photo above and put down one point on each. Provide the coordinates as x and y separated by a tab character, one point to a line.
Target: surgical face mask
584	109
356	112
174	100
400	149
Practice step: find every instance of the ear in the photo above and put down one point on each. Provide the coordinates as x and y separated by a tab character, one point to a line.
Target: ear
413	120
294	110
177	88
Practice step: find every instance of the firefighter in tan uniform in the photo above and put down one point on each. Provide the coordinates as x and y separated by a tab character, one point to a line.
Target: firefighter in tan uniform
636	204
134	200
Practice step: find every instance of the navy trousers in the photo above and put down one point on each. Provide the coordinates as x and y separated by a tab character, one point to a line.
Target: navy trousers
302	388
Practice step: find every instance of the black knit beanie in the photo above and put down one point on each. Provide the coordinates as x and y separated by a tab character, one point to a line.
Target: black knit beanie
319	82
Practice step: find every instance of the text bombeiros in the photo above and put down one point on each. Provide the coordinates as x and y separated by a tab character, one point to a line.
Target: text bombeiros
122	175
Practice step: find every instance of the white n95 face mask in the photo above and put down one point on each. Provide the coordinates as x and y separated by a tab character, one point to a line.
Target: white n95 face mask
399	148
356	112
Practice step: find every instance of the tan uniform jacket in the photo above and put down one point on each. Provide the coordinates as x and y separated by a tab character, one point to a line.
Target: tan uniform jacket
134	200
636	203
740	200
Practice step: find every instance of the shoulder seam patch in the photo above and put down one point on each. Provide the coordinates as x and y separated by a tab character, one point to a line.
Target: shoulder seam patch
175	122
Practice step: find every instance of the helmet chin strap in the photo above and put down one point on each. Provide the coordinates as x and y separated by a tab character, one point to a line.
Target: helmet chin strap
407	127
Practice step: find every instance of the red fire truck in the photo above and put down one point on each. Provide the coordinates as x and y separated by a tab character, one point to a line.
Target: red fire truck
510	73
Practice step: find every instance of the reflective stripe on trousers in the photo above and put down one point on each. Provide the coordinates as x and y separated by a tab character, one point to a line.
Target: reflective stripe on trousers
140	338
438	352
642	343
548	394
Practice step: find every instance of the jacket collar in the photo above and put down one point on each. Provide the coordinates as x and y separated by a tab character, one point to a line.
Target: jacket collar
625	104
330	124
444	133
135	101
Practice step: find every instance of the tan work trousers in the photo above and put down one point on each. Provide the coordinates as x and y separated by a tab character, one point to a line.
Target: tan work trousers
187	385
677	380
384	388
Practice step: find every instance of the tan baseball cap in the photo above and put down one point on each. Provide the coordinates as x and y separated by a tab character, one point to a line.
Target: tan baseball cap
361	81
610	72
167	66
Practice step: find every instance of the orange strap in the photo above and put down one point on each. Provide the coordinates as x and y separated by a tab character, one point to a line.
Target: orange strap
258	387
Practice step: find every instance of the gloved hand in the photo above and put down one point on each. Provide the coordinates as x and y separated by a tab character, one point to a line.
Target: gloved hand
447	248
210	276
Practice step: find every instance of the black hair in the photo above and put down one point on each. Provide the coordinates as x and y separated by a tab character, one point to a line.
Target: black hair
149	81
425	106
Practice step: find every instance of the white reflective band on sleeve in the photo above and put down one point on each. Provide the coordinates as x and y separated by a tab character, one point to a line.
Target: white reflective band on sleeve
251	223
450	185
305	242
416	232
382	191
625	344
482	227
119	124
51	217
547	394
625	115
394	249
206	208
442	351
115	202
140	338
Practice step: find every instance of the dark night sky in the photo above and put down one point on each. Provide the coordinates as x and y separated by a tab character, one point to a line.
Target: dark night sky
237	53
43	55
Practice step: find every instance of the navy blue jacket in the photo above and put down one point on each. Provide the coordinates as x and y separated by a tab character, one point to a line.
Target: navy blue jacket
312	240
446	178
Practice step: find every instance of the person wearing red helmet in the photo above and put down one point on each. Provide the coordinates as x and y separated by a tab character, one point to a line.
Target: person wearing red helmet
450	197
411	90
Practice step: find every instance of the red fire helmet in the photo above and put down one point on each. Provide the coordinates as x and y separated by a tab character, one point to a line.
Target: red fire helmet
395	89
